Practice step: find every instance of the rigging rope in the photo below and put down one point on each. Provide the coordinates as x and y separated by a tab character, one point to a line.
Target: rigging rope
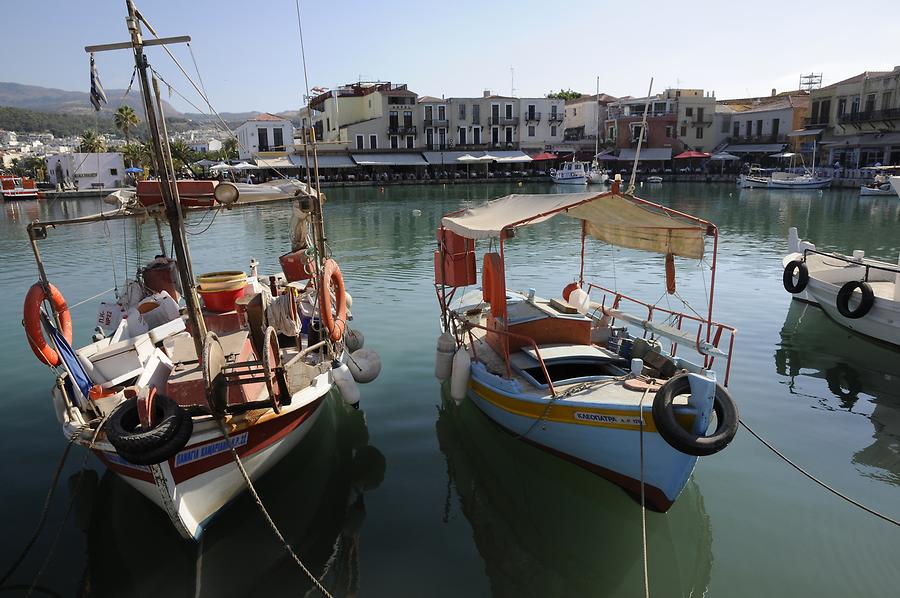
643	506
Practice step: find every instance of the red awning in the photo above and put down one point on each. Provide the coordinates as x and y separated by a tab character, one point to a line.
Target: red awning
691	154
544	156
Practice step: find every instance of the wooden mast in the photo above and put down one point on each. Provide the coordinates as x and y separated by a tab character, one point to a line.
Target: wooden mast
169	190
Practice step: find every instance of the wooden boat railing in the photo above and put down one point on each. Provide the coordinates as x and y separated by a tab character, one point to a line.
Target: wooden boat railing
679	318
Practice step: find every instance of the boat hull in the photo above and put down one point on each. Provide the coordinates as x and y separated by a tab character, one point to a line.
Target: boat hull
604	441
875	191
572	180
882	322
789	184
200	480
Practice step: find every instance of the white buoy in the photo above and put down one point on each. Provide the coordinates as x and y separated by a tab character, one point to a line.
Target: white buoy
343	379
349	299
354	340
443	361
459	378
365	365
580	300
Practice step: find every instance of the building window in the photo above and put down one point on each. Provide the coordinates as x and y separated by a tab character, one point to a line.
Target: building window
870	102
683	131
749	128
359	142
442	113
462	112
263	139
327	124
841	107
574	111
395	142
531	111
669	131
410	142
442	137
700	114
886	98
509	110
553	131
429	112
699	132
825	111
278	141
776	124
461	135
476	114
370	102
407	119
113	171
393	119
689	112
611	133
759	128
373	141
531	130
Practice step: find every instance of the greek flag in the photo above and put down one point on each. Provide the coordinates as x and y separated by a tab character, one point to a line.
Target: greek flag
98	96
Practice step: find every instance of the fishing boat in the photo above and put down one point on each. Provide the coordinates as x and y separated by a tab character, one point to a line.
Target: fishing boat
790	180
755	178
881	184
597	175
570	173
654	179
15	187
584	375
857	292
191	403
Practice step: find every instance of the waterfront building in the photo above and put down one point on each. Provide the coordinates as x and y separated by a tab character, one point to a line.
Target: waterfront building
264	133
857	120
584	120
542	123
763	125
489	122
87	171
696	114
435	118
623	127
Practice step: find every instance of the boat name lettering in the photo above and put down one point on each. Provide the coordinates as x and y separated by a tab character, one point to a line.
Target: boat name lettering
603	418
115	458
208	450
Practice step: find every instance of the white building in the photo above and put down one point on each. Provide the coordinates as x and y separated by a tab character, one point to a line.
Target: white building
264	133
541	123
203	146
103	170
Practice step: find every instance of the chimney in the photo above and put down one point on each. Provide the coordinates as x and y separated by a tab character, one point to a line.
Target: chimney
487	93
774	92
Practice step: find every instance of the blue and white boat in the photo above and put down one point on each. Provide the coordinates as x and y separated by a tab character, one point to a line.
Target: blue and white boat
581	376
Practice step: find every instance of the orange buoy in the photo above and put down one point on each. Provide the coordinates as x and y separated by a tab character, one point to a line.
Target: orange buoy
670	273
567	290
331	275
32	321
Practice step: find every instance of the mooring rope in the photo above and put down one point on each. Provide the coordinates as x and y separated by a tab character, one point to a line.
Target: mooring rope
643	506
834	491
265	512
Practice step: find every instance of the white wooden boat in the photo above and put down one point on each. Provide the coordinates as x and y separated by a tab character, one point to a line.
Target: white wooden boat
876	189
570	173
788	180
857	292
756	178
654	179
573	380
13	188
598	176
163	393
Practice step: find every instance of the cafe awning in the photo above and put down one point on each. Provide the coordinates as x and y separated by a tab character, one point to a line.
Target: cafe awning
391	159
647	154
274	162
755	148
326	161
613	218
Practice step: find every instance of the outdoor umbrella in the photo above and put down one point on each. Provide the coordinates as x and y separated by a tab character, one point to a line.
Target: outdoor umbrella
723	157
544	156
220	167
134	169
691	155
606	157
245	166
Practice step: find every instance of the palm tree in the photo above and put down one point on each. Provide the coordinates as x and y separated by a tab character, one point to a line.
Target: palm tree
230	149
137	154
125	119
91	142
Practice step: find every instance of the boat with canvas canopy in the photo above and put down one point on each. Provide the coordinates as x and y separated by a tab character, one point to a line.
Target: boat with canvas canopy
585	375
190	403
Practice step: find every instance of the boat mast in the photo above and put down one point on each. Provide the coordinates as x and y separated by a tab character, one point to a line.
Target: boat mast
597	136
168	189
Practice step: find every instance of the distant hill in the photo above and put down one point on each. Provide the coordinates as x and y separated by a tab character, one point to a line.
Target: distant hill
63	125
46	99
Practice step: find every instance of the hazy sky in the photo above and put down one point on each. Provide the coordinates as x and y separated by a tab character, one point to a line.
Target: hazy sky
249	52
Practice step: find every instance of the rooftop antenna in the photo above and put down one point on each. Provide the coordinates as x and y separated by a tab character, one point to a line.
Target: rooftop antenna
810	81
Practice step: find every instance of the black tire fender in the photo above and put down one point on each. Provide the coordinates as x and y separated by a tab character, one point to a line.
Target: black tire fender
149	447
787	278
667	425
843	299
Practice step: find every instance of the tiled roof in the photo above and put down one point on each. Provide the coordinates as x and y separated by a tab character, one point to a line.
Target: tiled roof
430	100
859	77
268	117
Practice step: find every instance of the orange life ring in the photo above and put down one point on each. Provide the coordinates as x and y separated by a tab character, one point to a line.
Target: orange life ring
331	274
494	284
32	321
567	290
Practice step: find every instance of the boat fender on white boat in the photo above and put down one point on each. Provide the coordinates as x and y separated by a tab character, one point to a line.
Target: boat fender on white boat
343	379
798	269
168	435
701	389
354	340
349	299
866	301
459	377
580	300
365	365
443	360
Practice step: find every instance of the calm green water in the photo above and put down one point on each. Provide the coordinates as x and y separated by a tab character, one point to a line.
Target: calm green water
456	507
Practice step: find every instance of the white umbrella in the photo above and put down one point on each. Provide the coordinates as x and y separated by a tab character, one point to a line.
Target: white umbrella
220	166
467	158
724	156
783	155
245	166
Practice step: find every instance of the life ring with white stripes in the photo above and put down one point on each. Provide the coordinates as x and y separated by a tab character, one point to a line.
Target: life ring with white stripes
32	321
331	275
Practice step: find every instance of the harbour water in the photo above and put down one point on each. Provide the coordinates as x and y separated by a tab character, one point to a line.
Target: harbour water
412	497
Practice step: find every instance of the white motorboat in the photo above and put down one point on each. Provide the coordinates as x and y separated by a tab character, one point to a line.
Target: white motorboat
857	292
564	373
881	183
597	175
571	173
654	179
756	178
877	189
789	180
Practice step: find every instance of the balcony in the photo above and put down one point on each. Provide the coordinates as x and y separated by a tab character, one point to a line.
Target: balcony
532	117
503	121
698	121
436	122
401	130
821	121
556	117
870	116
505	145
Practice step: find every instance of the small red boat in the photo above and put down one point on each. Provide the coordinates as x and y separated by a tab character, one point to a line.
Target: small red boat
16	187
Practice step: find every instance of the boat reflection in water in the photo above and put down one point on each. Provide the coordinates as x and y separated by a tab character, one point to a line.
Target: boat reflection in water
855	368
315	495
545	527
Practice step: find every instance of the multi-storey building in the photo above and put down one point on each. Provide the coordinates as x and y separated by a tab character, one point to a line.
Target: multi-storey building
623	126
696	115
585	118
541	123
857	120
763	125
264	133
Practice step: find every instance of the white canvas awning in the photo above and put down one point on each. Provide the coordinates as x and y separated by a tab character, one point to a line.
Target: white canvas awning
275	162
326	161
615	219
399	159
647	153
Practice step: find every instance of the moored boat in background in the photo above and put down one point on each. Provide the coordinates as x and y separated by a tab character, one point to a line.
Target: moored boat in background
15	187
